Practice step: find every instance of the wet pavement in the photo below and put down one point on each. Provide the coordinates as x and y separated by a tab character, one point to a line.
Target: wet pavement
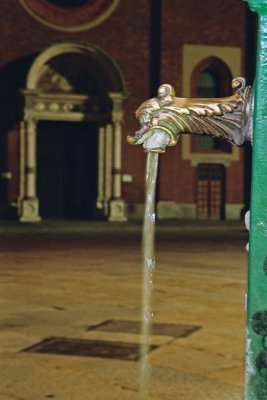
79	284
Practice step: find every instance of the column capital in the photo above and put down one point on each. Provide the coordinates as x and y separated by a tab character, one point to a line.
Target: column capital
31	126
117	96
117	99
259	6
30	120
117	116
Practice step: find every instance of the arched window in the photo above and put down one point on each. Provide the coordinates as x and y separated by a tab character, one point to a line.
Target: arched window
68	4
207	84
210	78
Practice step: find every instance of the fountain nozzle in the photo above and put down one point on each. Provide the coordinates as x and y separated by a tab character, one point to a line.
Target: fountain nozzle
165	117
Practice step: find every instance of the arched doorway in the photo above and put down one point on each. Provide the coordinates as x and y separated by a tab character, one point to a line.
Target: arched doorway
71	135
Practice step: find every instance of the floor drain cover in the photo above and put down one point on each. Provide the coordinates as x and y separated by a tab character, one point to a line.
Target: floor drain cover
174	330
88	348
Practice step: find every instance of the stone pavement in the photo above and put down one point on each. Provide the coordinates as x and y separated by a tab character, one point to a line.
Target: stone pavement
59	278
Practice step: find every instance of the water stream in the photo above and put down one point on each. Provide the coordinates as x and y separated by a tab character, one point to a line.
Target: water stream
148	269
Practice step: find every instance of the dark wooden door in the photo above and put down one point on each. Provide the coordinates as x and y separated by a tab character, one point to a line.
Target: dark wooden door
210	191
66	169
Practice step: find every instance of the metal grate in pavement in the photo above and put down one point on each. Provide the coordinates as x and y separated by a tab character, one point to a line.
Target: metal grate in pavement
126	326
88	348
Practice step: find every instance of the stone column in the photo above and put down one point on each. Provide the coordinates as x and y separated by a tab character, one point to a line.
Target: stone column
21	166
117	204
117	161
108	167
29	208
101	170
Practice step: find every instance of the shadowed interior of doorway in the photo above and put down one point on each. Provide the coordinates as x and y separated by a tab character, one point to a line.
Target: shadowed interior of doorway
67	169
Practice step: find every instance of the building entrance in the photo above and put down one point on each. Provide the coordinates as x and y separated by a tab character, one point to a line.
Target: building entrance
67	169
70	136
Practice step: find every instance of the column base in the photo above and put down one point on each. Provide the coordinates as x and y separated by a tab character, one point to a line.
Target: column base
117	210
173	210
29	210
233	211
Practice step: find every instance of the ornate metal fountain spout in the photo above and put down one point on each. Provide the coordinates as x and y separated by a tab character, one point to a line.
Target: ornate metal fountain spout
165	117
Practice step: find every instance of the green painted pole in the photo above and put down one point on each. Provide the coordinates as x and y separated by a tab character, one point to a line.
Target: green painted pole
256	358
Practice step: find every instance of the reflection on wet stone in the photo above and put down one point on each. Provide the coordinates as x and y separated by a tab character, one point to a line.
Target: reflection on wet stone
88	348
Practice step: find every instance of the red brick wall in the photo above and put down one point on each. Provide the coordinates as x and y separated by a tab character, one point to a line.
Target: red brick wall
125	36
176	177
209	22
235	181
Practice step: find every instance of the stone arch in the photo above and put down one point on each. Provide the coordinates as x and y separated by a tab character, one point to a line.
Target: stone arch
75	82
108	68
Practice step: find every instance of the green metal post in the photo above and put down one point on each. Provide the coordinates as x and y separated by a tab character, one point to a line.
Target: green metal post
256	361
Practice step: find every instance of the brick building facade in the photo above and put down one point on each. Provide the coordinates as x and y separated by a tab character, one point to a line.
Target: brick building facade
71	78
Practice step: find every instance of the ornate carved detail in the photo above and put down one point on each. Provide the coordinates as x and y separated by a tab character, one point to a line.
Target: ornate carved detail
67	107
54	107
51	81
165	117
41	105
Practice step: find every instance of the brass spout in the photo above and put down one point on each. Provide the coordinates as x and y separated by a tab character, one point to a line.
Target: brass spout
165	117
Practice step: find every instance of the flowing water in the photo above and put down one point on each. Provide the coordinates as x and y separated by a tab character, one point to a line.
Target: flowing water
148	269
